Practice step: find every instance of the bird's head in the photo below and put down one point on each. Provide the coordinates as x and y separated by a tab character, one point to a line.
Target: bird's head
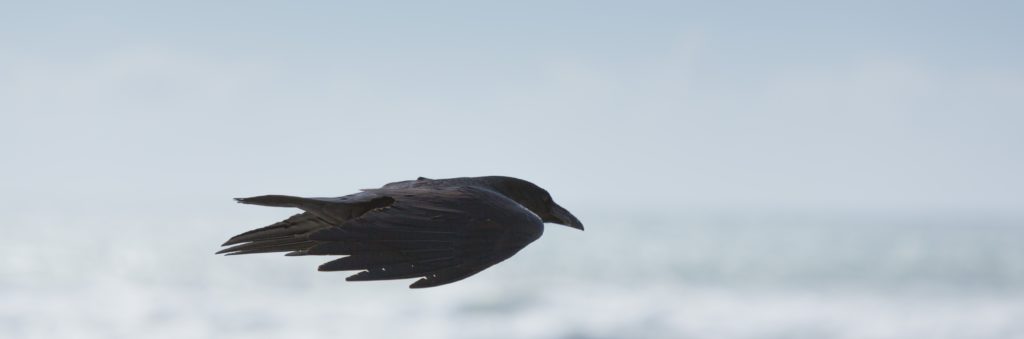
535	199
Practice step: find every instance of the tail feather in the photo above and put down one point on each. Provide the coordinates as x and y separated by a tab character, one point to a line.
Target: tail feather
334	210
290	248
279	244
278	201
289	235
293	234
297	224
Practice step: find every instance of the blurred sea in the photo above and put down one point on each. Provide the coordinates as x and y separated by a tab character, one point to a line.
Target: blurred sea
665	274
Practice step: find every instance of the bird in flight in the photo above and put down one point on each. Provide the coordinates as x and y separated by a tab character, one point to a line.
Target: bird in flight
440	231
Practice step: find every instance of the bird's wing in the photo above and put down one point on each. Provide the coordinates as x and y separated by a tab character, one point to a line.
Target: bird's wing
438	235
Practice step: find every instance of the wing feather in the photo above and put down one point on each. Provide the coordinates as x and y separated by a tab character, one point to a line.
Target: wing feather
440	235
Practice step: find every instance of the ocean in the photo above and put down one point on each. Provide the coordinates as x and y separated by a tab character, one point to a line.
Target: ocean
631	274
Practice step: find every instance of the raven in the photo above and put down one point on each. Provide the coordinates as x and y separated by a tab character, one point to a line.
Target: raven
440	231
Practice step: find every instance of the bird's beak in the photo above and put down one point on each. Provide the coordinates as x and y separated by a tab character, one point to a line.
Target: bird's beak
563	217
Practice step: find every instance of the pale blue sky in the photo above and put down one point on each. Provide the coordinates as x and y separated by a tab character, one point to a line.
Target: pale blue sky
117	108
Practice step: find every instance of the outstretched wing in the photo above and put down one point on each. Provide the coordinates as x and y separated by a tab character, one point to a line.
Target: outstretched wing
441	235
438	235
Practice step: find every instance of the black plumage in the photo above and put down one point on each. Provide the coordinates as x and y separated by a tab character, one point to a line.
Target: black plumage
440	231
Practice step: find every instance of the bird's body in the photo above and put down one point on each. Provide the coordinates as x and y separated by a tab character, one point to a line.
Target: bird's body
440	230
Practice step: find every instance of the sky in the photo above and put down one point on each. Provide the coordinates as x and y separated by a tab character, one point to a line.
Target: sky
115	109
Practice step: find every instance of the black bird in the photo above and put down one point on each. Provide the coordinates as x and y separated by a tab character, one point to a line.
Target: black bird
441	231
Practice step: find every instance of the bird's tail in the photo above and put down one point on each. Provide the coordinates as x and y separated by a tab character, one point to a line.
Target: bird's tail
288	235
276	201
292	234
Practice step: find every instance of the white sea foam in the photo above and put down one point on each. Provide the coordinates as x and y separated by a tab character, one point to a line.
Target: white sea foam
679	277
